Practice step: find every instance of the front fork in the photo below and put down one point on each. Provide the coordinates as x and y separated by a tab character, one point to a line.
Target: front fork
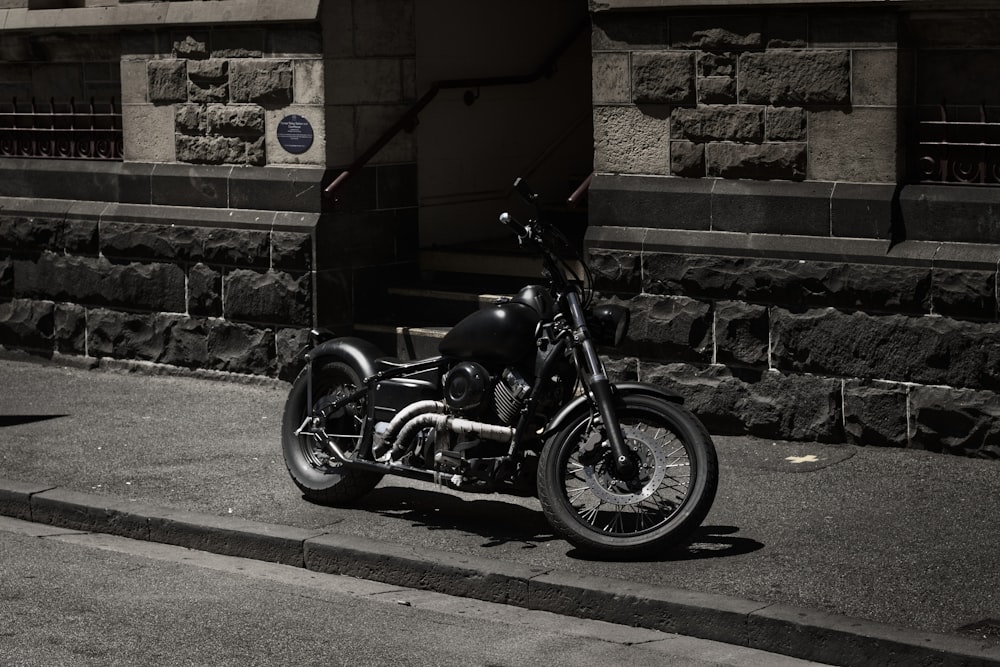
596	380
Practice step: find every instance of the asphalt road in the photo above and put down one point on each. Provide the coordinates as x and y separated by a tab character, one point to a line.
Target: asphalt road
901	537
69	598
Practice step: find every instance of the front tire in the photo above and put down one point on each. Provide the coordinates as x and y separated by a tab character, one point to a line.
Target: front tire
594	510
320	477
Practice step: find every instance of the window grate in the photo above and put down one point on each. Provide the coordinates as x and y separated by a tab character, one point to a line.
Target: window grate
958	145
60	130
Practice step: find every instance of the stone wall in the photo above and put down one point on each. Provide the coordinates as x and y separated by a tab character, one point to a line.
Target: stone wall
161	284
215	94
752	207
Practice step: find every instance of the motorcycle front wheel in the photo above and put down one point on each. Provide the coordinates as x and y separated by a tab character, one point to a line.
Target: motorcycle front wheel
319	476
592	508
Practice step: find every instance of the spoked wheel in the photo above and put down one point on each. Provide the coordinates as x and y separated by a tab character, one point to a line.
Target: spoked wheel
319	475
659	508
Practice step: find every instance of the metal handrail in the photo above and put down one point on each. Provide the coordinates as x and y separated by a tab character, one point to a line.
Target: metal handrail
409	119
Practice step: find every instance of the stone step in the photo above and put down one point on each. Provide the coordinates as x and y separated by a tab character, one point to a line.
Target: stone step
405	343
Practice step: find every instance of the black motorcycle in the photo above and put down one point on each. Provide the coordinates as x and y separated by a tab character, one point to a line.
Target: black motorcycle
517	402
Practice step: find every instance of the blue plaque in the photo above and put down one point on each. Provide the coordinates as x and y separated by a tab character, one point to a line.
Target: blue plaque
295	134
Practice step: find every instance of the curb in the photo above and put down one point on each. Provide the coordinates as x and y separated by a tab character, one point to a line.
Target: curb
797	632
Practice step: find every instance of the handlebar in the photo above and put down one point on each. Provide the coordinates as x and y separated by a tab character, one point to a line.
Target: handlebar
515	226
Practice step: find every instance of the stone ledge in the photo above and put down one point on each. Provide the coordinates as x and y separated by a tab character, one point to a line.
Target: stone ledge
597	6
205	187
782	246
158	215
875	223
159	14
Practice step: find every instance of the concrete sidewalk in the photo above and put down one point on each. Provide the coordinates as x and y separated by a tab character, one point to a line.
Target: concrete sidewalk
843	555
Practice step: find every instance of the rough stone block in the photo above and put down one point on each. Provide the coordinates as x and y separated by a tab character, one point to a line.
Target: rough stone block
717	90
240	348
771	405
32	235
873	137
786	31
954	421
616	272
669	328
192	45
220	150
796	78
626	140
636	30
238	43
929	350
687	159
610	73
80	237
875	414
964	293
850	286
215	70
26	323
204	290
717	64
189	118
785	161
122	335
785	124
186	342
717	33
208	93
273	297
167	81
137	241
742	334
245	120
69	329
711	123
291	251
261	81
235	247
154	287
294	40
289	344
6	277
663	77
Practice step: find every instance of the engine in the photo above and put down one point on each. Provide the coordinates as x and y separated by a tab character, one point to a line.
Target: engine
470	390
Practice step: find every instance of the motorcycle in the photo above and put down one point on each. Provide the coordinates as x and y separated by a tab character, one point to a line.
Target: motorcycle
518	401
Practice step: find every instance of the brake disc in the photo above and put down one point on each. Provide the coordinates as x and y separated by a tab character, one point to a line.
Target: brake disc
652	462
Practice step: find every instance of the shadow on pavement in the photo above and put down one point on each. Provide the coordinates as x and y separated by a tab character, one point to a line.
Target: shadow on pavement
17	420
498	521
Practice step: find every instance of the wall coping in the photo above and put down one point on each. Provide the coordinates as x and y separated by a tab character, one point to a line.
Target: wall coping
597	6
158	14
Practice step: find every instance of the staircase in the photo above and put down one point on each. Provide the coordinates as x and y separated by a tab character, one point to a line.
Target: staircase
408	321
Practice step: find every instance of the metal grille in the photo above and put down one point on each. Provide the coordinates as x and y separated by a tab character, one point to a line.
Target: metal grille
958	145
73	130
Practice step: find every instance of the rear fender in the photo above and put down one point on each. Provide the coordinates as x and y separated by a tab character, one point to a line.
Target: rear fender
581	405
357	353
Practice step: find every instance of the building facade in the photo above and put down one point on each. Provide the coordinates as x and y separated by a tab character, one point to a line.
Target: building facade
798	200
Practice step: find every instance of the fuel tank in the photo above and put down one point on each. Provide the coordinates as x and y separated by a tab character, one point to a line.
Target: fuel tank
504	334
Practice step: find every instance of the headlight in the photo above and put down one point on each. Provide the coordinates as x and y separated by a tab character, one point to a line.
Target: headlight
608	324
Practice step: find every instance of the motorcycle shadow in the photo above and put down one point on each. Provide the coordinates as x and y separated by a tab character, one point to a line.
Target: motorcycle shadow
502	523
497	521
707	542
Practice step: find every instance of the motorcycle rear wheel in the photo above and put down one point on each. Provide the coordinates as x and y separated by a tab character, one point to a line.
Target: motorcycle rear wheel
588	505
320	477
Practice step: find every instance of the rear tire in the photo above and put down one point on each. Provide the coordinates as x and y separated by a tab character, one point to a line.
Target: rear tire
594	510
321	478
